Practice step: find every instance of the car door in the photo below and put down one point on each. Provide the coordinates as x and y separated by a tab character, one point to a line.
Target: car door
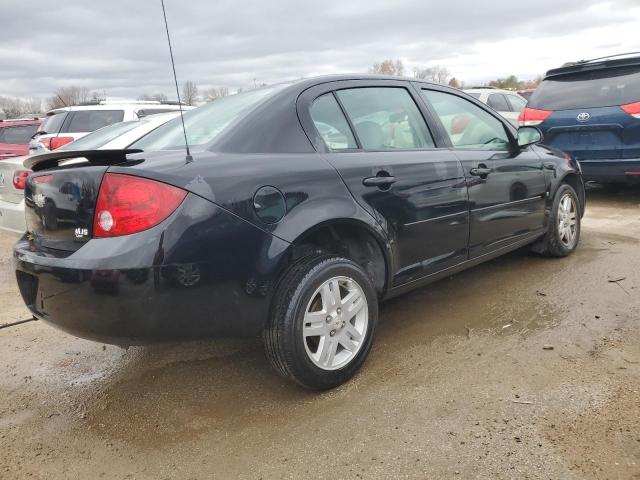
376	137
507	185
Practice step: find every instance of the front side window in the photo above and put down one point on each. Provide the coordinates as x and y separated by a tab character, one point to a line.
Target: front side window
331	124
498	102
386	118
91	120
467	125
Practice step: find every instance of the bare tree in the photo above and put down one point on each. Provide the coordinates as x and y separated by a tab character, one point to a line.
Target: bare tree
388	67
435	74
158	97
189	92
67	96
14	107
215	93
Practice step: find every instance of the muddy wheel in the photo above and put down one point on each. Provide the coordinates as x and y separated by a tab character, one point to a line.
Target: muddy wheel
563	234
323	322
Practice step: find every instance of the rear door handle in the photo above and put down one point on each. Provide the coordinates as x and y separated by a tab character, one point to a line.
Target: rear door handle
379	181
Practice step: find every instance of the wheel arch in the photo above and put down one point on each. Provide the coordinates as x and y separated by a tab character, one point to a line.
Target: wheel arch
352	239
574	180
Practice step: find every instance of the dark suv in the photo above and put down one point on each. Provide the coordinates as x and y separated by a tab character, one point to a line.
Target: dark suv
591	110
299	208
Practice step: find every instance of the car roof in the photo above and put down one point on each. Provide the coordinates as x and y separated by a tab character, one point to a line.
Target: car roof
490	90
119	106
591	65
17	123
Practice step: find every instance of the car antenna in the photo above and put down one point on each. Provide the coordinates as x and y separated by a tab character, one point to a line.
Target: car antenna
188	158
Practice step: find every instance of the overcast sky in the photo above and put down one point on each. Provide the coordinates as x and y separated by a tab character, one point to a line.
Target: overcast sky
120	46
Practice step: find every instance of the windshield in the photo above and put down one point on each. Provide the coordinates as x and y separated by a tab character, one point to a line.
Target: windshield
598	88
101	137
204	123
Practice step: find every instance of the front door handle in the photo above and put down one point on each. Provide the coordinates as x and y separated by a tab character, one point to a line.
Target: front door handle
480	171
379	181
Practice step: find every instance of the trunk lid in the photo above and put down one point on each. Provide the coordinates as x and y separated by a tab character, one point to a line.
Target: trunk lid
59	206
8	193
593	133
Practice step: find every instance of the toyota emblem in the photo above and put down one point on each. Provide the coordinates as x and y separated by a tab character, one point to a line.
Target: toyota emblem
583	117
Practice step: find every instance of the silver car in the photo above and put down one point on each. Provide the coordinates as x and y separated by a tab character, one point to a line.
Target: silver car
13	174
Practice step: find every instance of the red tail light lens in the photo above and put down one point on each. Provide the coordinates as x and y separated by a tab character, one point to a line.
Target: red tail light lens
532	117
20	179
128	204
632	109
57	142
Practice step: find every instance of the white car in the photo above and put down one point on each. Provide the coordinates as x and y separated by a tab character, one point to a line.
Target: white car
67	124
507	103
13	174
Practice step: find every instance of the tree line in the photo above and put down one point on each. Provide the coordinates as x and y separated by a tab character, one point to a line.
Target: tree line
442	75
14	107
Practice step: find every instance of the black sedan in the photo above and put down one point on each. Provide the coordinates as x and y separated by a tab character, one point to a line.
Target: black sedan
300	207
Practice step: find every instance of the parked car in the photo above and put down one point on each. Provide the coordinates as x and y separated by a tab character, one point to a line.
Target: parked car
507	103
526	94
591	110
15	136
118	135
67	124
295	231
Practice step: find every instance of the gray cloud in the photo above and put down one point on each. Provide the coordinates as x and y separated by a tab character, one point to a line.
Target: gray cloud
120	46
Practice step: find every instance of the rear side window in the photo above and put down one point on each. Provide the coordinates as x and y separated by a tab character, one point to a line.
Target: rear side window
53	123
386	118
468	126
517	103
331	124
498	102
18	135
599	88
90	120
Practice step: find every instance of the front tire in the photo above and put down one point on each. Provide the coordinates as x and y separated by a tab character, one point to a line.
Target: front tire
323	322
563	233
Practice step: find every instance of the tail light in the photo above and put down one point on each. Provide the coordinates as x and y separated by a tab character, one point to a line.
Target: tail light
532	117
20	179
128	204
632	109
53	143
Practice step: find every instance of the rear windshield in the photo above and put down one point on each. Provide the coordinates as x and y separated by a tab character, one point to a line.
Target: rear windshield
53	123
90	120
598	88
101	136
204	123
19	135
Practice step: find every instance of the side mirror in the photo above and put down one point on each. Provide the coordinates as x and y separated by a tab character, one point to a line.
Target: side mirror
528	136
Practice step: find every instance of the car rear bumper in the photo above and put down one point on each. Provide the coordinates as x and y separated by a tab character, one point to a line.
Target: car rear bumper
169	282
12	217
615	170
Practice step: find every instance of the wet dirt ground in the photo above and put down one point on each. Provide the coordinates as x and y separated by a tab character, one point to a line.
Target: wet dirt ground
458	385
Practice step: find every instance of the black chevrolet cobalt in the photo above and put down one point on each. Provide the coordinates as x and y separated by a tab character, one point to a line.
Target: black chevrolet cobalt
300	208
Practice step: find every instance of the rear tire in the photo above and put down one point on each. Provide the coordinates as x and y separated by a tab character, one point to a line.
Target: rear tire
563	234
322	323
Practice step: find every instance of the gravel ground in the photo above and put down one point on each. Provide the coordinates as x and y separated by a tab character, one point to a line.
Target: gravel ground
461	383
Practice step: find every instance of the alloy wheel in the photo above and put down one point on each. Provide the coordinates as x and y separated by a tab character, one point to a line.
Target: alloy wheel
335	323
567	220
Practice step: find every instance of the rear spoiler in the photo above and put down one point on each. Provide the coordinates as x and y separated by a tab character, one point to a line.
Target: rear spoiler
94	157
